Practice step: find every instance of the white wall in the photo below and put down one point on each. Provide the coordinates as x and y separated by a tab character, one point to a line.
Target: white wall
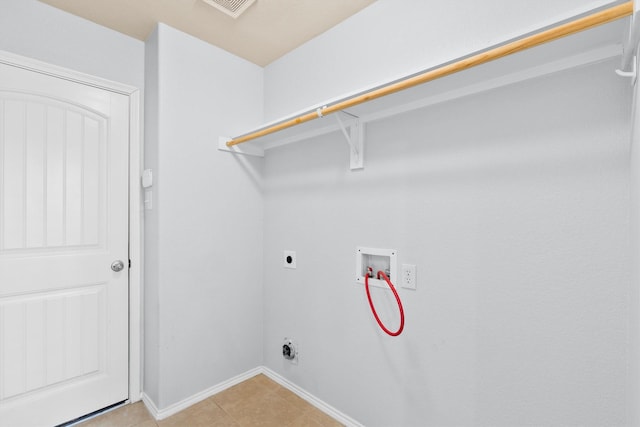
205	285
152	123
39	31
514	205
634	297
391	39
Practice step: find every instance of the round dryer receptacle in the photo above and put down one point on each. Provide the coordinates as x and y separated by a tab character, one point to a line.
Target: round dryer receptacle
289	351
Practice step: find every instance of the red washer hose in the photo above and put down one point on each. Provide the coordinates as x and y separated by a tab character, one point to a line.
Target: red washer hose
373	309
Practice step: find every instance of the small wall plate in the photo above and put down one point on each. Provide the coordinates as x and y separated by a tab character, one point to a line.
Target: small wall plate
289	259
290	350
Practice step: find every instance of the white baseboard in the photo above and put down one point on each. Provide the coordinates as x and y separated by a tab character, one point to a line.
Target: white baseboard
151	406
160	414
321	405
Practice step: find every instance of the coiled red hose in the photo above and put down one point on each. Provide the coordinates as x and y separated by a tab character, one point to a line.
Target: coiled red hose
373	309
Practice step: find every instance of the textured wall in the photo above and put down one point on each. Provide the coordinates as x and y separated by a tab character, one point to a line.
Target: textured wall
39	31
514	206
391	39
207	295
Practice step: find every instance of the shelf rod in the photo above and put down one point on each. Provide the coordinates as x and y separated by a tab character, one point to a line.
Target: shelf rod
580	24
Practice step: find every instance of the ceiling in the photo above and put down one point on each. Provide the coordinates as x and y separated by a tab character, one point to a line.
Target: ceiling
267	30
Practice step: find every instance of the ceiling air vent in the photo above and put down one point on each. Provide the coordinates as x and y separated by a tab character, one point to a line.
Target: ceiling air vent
233	8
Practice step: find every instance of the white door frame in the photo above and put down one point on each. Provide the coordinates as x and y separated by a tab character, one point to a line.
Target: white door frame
135	199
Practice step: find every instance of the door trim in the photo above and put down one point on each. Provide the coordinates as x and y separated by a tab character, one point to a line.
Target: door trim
135	198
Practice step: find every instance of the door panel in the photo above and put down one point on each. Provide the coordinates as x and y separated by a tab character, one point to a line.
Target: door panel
52	338
63	221
55	184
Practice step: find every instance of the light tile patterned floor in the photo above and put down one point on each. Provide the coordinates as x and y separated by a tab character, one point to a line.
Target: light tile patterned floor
259	401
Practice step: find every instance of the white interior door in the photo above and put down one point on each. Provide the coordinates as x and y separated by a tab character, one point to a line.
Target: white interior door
63	221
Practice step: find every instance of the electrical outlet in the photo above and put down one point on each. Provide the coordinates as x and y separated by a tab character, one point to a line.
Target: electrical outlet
290	350
408	276
289	259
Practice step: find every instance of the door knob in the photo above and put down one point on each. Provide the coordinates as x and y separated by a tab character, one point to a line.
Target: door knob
117	265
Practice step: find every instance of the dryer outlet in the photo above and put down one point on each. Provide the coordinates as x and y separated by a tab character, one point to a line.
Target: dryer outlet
289	259
290	350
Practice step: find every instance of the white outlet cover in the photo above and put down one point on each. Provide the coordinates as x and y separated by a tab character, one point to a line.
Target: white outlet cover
408	278
289	259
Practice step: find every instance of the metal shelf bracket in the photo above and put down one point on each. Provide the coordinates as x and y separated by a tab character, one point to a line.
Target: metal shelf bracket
354	136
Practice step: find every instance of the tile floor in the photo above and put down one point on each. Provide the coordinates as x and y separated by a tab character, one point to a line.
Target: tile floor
258	401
